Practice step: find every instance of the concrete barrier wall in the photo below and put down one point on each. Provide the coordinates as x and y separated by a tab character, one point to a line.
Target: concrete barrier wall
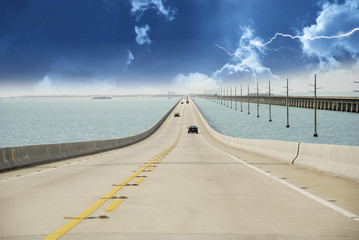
342	161
15	157
5	159
281	150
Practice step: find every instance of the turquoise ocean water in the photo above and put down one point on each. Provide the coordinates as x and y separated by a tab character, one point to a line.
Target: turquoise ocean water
339	128
25	121
33	121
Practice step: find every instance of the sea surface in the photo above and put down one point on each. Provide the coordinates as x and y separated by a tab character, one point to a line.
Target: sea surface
339	128
33	121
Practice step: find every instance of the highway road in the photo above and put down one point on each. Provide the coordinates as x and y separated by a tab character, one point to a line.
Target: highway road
176	185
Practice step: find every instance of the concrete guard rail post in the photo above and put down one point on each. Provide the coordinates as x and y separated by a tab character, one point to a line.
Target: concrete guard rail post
16	157
337	160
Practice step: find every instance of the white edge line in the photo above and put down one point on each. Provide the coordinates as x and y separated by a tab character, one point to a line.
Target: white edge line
43	171
305	193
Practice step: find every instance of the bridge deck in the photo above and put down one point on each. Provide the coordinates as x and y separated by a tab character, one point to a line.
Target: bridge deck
176	185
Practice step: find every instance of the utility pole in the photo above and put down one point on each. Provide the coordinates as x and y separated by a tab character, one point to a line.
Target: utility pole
235	97
287	103
231	97
248	100
221	95
227	95
241	99
257	101
270	106
315	106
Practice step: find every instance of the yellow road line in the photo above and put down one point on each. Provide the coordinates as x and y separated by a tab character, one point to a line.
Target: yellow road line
139	180
73	222
151	169
113	205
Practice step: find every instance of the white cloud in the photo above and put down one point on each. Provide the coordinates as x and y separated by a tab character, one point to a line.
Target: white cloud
334	19
242	72
130	58
45	86
140	6
55	85
246	65
193	83
339	80
142	35
246	60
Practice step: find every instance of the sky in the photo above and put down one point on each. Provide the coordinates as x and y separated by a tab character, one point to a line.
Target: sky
66	47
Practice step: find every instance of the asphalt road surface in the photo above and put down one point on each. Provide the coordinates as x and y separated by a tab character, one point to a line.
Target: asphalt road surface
176	185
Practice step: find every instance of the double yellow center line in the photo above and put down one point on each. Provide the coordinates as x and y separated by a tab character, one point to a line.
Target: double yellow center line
76	220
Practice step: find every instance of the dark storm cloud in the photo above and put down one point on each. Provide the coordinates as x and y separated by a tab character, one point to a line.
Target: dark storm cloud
63	37
152	41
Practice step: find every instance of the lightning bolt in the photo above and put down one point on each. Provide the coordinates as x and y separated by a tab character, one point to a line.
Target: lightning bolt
242	61
230	54
259	44
309	38
280	48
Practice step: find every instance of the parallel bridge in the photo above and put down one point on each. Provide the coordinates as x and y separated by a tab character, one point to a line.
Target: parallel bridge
344	104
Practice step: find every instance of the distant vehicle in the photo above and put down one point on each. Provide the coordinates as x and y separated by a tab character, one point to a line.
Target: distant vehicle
181	102
187	101
193	129
177	114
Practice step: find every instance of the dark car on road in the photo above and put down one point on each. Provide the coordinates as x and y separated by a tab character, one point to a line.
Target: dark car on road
177	114
193	129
